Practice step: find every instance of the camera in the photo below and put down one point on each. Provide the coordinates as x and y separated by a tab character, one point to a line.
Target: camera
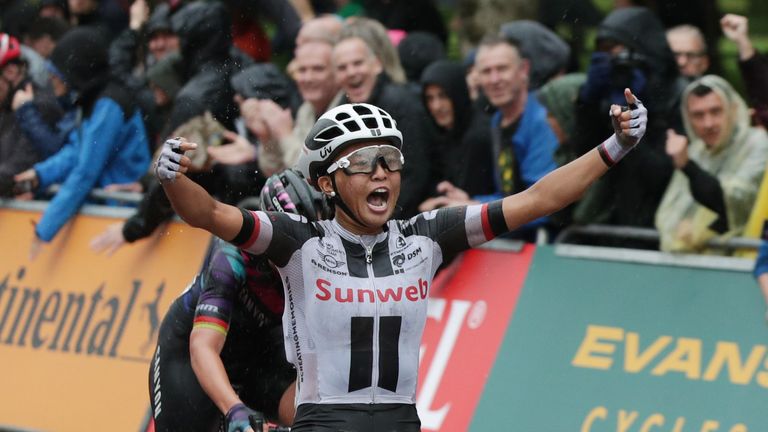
10	188
624	64
23	187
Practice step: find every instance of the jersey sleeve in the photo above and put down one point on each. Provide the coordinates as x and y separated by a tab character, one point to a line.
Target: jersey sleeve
222	278
274	234
456	229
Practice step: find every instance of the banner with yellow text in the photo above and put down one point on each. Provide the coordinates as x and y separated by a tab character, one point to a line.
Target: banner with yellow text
597	346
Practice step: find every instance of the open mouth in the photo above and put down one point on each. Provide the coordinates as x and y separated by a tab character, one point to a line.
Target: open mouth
378	199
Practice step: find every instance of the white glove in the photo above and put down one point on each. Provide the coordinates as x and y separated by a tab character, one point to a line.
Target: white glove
167	164
629	126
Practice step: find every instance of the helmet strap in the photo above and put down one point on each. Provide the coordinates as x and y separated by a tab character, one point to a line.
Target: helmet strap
336	199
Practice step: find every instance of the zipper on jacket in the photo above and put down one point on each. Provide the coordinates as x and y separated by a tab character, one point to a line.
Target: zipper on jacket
375	346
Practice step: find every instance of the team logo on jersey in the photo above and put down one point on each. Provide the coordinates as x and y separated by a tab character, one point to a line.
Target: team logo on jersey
416	291
327	248
414	254
329	258
331	262
401	242
398	260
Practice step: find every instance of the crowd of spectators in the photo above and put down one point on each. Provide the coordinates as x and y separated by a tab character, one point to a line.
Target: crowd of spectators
90	89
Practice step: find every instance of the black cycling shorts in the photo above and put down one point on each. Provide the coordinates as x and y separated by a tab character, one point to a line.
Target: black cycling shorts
356	418
179	403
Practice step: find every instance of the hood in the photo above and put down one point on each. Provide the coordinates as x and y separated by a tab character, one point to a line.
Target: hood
737	117
160	20
547	52
417	51
81	58
205	33
263	81
450	76
559	98
641	31
165	75
738	162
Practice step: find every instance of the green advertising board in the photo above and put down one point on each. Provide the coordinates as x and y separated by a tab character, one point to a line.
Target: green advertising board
602	346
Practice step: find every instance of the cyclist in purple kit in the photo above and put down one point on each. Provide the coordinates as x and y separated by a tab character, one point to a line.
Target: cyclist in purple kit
355	312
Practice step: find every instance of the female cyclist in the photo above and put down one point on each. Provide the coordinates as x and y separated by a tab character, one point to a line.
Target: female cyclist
356	287
220	348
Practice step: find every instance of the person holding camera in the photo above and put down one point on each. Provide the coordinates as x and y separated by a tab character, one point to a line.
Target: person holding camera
631	51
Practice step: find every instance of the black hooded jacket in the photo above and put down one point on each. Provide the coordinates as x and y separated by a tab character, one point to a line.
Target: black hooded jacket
81	57
408	15
463	154
109	19
126	49
630	193
127	53
204	30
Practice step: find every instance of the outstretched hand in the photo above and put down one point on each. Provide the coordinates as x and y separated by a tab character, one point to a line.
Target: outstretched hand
171	162
735	27
110	240
629	124
238	151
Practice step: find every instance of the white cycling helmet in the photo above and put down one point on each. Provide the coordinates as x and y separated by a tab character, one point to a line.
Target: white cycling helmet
339	128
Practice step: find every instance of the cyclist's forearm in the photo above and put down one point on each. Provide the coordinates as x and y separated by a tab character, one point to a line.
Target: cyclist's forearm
554	191
190	201
204	350
197	208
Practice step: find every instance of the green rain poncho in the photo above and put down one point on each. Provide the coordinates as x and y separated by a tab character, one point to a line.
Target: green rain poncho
738	162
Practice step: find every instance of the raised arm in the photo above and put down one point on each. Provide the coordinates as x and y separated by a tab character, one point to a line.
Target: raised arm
569	182
190	201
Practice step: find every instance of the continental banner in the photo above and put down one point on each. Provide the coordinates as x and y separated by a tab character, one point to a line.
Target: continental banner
598	346
77	329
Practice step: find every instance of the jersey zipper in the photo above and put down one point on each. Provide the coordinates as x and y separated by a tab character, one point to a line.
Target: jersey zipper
375	348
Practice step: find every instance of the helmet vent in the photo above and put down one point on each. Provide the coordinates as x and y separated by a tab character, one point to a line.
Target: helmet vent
352	125
362	110
370	122
387	123
342	116
329	134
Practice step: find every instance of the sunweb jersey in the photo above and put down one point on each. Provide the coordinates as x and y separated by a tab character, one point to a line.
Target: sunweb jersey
355	305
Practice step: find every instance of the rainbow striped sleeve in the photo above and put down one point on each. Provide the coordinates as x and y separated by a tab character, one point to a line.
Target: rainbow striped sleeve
211	323
212	312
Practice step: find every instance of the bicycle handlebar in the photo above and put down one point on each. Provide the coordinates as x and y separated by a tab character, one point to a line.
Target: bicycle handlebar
257	423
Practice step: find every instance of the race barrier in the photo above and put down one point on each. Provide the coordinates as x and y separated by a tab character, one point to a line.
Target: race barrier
517	339
77	329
